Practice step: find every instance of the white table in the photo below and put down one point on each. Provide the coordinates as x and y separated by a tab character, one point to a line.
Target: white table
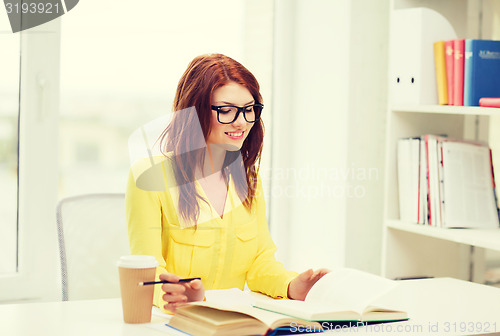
435	307
443	306
70	318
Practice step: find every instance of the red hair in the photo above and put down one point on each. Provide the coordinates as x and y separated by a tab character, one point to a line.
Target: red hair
202	77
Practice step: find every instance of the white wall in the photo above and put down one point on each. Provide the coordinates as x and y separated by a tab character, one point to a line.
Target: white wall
311	65
367	111
328	133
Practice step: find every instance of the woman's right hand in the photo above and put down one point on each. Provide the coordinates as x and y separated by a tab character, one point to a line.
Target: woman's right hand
176	294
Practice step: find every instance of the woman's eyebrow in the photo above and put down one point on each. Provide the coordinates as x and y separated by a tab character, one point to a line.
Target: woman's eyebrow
229	103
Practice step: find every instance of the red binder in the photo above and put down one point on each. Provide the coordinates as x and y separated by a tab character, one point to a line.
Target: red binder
449	58
458	89
489	102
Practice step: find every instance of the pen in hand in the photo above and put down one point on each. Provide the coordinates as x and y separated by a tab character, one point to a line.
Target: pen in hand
165	281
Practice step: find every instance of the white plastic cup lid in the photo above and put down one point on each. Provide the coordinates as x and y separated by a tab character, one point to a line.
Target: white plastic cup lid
137	261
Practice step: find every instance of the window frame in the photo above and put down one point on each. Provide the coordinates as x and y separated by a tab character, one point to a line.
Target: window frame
37	166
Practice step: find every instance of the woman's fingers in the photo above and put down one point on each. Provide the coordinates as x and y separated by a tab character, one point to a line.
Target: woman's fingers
173	306
170	277
173	288
319	273
306	275
323	271
177	294
195	284
300	286
195	290
174	297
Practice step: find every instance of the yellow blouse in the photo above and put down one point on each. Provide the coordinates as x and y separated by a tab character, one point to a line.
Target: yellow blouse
223	252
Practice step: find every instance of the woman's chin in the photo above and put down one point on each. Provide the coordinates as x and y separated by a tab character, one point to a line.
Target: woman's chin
228	147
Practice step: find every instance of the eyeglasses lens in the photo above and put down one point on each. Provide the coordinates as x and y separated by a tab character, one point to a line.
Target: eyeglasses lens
227	114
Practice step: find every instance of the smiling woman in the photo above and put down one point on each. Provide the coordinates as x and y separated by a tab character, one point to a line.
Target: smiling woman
209	220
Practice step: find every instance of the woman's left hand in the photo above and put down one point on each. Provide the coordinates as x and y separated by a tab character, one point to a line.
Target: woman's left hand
300	286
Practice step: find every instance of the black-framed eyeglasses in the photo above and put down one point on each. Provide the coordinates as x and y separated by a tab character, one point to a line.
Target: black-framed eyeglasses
227	114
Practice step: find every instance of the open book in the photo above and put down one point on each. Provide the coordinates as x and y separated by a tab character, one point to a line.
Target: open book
342	295
212	318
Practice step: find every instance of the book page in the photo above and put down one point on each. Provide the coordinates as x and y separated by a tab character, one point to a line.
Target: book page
468	186
423	210
349	288
230	296
226	297
267	317
310	311
433	180
408	178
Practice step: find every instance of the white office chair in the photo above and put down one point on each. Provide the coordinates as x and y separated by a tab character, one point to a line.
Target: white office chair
92	234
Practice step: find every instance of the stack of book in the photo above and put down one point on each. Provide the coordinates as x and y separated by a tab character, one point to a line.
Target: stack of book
344	298
468	70
446	182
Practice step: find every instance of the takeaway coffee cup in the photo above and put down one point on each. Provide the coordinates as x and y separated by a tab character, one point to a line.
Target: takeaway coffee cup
137	301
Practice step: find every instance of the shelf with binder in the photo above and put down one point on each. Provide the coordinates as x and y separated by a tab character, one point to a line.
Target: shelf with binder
447	109
412	249
483	238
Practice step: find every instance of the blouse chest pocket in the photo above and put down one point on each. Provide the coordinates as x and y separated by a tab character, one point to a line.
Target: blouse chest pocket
190	252
246	246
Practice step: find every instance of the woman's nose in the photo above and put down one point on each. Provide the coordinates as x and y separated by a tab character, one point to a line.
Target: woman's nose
240	121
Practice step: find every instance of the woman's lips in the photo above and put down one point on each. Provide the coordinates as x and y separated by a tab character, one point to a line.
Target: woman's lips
235	135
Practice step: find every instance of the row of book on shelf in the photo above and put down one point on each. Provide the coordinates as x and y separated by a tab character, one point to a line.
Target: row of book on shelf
468	72
445	182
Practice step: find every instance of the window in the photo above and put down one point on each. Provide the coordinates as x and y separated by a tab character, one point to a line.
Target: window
29	96
121	71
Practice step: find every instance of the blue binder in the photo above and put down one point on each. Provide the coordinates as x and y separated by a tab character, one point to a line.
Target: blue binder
481	70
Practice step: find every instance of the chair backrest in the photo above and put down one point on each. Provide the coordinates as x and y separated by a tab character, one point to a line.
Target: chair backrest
92	234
